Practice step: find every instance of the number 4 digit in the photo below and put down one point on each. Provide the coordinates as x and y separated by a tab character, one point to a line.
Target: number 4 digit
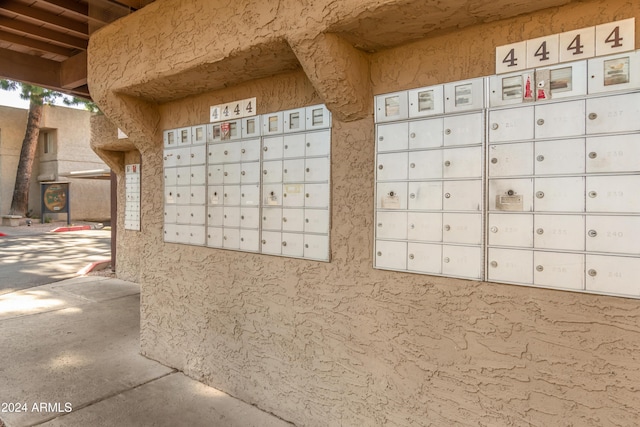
614	37
511	59
249	108
542	52
576	46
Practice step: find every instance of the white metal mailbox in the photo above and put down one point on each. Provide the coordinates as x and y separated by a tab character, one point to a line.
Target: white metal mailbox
464	95
215	216
272	219
426	164
198	175
294	145
293	170
614	73
272	148
466	129
560	119
564	232
214	237
231	238
198	154
426	101
514	195
231	217
272	195
170	177
215	195
462	261
293	220
170	233
183	175
250	172
559	157
424	226
170	195
293	195
422	195
462	162
391	225
318	117
393	137
510	265
511	159
293	244
249	240
613	113
425	133
462	195
513	124
392	166
391	255
316	195
613	275
558	270
231	173
183	156
424	258
250	150
316	169
613	194
316	221
462	228
619	234
197	215
510	230
169	158
316	247
613	154
169	214
294	120
392	106
249	217
272	171
318	143
231	195
559	194
198	195
250	195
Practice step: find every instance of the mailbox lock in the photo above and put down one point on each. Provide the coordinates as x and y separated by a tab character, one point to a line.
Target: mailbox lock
540	231
379	224
379	253
286	147
243	151
264	242
165	157
593	116
242	239
306	220
593	155
510	193
540	122
308	170
264	171
192	155
540	194
226	174
307	195
285	171
264	218
447	195
178	156
411	256
392	193
494	264
447	227
242	195
446	259
447	132
412	195
412	226
539	268
284	195
593	273
494	160
412	165
215	193
593	233
412	135
381	138
447	163
380	167
540	158
241	216
242	173
593	194
494	229
308	144
266	148
494	126
226	152
272	193
284	219
306	245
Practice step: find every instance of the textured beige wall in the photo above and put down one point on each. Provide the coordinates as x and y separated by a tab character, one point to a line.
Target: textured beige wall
342	344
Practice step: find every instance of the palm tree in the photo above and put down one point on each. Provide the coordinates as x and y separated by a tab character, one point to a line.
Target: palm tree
37	97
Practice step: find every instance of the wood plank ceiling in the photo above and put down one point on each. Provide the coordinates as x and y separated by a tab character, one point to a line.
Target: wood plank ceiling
44	42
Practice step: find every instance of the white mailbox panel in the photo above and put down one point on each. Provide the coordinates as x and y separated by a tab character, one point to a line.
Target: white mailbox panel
392	106
559	157
560	119
318	143
272	123
316	221
294	120
293	170
391	225
426	196
250	150
250	127
613	73
317	170
199	134
293	195
183	156
249	217
272	171
462	261
424	226
559	194
462	195
391	255
249	240
231	238
510	265
215	216
558	270
316	247
169	138
231	195
216	153
249	172
619	153
393	166
170	233
614	275
427	133
272	195
250	195
511	159
393	137
231	173
183	175
613	194
462	162
293	220
466	129
424	258
272	219
464	95
316	195
426	101
462	228
231	217
513	124
272	148
294	145
565	232
292	244
215	195
514	195
214	237
613	234
169	214
425	164
613	113
318	117
511	230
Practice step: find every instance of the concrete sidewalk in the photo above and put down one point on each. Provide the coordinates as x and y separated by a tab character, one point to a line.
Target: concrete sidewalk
69	356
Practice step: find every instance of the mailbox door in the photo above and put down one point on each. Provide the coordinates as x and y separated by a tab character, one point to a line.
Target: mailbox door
316	247
511	230
425	164
391	225
613	275
559	194
393	137
424	258
613	234
272	219
564	232
514	124
249	217
427	133
293	195
462	195
250	240
316	221
293	244
293	220
462	228
391	195
619	153
613	194
559	157
510	265
318	143
467	129
462	162
293	145
426	196
513	195
272	147
391	255
560	119
293	170
392	166
272	171
558	270
271	242
511	159
424	226
214	237
613	114
462	261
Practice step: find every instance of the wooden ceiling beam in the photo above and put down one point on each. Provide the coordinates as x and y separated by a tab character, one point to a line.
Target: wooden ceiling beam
30	69
73	71
45	17
35	44
73	8
44	33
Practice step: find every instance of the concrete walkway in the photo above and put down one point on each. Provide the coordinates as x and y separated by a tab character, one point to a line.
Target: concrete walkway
69	357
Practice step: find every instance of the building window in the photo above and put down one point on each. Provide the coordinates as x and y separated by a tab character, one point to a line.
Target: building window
48	142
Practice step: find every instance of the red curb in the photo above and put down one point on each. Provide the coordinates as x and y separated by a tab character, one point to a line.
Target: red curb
2	235
98	265
73	228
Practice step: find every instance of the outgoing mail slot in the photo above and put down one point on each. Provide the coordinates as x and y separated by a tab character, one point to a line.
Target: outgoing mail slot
183	175
614	275
294	145
293	194
316	247
184	136
462	261
564	232
231	195
615	72
391	255
249	217
392	166
462	228
391	195
558	270
620	153
509	265
424	226
198	175
424	258
250	127
250	195
511	195
292	244
231	217
427	133
613	194
250	150
250	240
391	225
294	120
511	159
462	195
393	137
293	220
426	101
462	162
214	237
199	134
272	219
272	148
197	215
613	113
231	173
250	172
467	129
316	170
170	177
316	195
169	214
318	117
317	143
293	170
215	195
513	124
316	221
271	242
464	95
272	123
511	230
422	195
619	234
392	106
170	138
559	157
215	216
231	238
559	119
272	171
425	164
559	194
272	195
197	195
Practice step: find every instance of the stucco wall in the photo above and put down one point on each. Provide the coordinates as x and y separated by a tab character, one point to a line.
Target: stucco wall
342	344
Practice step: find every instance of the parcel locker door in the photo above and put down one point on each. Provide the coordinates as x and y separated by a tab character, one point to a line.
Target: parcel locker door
613	234
250	240
293	170
292	244
511	230
317	143
559	194
392	106
467	129
558	270
513	124
462	228
559	157
214	237
249	217
462	162
514	195
393	137
424	226
424	258
462	195
613	194
391	195
425	164
391	255
511	159
272	219
560	119
272	147
613	114
316	221
564	232
423	196
293	145
426	133
391	225
619	153
462	261
510	265
613	275
293	220
250	150
316	247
